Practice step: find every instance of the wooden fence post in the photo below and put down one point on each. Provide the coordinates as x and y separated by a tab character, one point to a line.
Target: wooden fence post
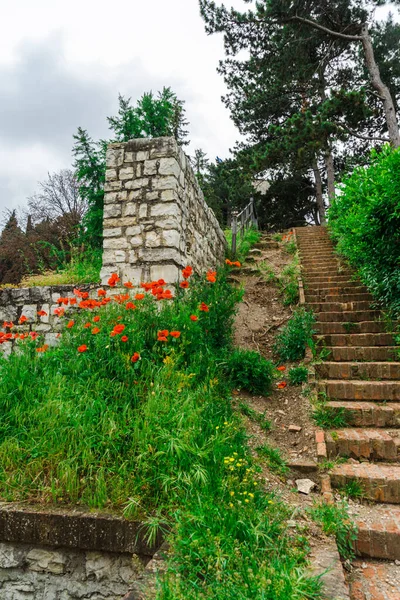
234	231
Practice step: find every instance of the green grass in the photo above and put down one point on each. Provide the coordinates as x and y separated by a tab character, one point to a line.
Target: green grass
256	416
243	243
293	339
156	439
84	267
288	282
298	375
335	520
353	489
273	459
328	418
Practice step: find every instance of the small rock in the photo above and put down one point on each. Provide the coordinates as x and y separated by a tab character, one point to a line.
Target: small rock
352	461
305	486
364	566
281	412
294	428
397	562
305	448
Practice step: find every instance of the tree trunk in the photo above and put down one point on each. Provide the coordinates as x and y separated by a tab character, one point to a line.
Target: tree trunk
330	174
318	189
381	88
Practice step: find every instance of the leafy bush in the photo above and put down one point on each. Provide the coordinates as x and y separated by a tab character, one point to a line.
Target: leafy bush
298	375
249	370
293	339
364	220
288	282
243	243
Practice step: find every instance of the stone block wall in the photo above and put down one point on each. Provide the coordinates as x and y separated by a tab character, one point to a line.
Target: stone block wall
156	220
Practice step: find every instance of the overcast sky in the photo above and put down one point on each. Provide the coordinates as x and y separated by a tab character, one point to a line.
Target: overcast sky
62	65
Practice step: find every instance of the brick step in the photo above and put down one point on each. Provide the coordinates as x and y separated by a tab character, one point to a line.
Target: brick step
374	580
363	353
337	389
358	339
345	298
339	307
334	294
378	531
324	271
318	254
350	327
347	287
367	414
380	483
316	262
326	279
346	316
369	444
356	370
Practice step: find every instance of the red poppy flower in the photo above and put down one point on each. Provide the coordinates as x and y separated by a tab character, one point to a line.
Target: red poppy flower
128	284
175	334
194	318
82	348
42	348
162	338
282	368
124	338
228	262
281	385
95	330
236	264
8	324
187	272
119	328
203	307
101	293
167	295
130	306
42	313
70	324
34	335
135	357
139	296
184	284
96	319
112	282
59	312
22	319
163	333
87	325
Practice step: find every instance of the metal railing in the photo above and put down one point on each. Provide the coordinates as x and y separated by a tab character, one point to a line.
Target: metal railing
242	221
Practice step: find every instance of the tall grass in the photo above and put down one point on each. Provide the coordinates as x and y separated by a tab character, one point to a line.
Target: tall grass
155	438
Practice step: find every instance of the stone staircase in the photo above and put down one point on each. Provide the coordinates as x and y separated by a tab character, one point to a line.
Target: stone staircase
361	379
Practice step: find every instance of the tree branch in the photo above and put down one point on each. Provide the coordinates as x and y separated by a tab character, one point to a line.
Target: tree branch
363	137
343	36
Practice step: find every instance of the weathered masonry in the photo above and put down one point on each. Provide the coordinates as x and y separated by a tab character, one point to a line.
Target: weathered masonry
156	220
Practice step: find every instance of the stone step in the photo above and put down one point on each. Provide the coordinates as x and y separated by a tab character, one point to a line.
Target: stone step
317	254
349	327
266	245
378	534
344	316
368	444
356	370
358	339
380	483
320	308
367	414
324	272
363	353
337	389
374	580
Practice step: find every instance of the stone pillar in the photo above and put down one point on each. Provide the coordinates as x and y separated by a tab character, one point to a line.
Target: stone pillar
156	220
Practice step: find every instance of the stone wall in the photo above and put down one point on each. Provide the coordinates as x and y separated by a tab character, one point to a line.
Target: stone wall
67	554
45	573
27	302
156	220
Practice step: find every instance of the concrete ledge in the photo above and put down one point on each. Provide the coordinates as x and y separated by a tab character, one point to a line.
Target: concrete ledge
74	529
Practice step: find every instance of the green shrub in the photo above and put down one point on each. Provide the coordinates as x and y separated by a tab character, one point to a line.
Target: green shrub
298	375
273	458
243	243
293	339
364	220
249	370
